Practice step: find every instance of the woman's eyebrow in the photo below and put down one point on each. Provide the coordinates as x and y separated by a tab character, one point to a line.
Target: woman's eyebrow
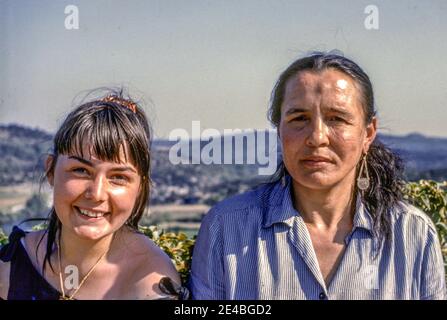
295	110
340	111
86	162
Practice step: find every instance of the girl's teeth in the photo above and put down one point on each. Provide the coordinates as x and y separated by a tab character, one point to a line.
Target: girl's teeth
91	214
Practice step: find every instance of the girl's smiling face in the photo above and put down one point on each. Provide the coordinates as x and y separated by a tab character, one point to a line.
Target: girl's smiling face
93	198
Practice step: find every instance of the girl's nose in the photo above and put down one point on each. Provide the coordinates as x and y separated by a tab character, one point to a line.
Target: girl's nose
97	190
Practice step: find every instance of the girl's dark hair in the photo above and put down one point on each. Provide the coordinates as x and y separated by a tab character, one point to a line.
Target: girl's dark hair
108	123
385	167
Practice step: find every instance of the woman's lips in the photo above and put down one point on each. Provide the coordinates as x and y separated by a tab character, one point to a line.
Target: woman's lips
316	162
316	158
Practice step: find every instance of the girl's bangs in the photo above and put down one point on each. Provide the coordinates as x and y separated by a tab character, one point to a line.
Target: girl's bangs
106	141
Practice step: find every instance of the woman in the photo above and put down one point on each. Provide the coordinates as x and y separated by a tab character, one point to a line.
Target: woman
92	249
333	225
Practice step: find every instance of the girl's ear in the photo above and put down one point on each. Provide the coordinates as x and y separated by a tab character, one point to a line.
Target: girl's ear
49	169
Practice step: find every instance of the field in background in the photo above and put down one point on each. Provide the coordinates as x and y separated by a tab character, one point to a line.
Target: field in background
176	218
13	198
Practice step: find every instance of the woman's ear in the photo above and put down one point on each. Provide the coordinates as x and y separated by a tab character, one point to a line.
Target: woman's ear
371	132
49	169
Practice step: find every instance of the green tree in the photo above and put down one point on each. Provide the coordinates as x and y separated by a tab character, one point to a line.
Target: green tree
431	197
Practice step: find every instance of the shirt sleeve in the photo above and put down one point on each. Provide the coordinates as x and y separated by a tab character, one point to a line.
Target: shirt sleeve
207	272
433	285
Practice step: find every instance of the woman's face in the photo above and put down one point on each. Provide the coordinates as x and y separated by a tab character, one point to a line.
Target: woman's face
322	129
93	198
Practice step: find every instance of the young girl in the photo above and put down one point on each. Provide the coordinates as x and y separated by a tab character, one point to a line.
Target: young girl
92	249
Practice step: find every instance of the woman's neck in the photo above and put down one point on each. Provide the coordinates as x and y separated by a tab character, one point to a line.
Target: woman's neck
325	209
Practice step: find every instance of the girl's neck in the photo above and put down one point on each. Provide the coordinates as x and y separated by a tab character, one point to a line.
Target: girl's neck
82	253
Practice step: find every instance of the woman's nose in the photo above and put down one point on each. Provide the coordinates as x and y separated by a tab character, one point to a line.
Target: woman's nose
97	189
318	133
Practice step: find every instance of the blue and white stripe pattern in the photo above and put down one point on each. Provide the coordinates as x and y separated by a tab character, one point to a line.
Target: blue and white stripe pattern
256	246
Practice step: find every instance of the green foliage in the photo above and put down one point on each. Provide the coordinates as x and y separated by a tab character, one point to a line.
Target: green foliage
431	197
3	238
176	245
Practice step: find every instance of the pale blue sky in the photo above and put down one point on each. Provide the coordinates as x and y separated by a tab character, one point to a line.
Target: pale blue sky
217	61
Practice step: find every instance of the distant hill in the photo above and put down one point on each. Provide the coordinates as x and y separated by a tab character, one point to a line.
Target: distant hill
425	157
22	150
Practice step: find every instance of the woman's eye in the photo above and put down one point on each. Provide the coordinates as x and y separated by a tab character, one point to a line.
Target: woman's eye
300	118
337	119
81	171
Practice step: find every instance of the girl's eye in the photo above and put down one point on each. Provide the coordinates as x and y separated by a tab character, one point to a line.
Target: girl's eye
119	179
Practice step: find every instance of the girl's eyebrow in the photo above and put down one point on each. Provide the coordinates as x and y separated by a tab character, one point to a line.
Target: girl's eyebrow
124	169
88	163
81	160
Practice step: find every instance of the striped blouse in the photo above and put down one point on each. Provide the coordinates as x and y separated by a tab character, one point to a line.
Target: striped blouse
257	246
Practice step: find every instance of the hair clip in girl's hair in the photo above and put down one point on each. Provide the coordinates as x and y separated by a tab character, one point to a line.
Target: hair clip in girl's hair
123	102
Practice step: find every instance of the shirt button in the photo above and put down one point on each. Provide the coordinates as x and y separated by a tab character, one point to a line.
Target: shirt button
322	296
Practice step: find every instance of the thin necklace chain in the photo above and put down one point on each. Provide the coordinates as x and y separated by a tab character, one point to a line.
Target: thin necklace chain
61	282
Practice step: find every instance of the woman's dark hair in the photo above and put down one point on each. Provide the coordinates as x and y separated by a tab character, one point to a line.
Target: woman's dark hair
111	123
386	180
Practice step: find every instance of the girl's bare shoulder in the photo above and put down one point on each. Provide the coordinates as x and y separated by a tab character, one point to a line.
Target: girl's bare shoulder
148	256
149	264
